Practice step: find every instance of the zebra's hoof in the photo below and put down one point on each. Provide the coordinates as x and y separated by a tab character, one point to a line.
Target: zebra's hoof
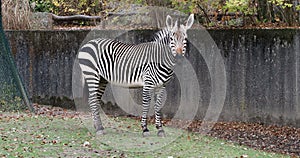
100	132
161	133
146	134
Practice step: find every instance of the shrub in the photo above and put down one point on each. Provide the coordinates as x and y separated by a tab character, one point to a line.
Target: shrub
69	7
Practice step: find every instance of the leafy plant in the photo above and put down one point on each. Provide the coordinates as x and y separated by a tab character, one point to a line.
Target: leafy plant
282	3
69	7
243	6
182	5
41	5
286	11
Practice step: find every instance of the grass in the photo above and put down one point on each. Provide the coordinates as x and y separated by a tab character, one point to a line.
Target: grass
23	135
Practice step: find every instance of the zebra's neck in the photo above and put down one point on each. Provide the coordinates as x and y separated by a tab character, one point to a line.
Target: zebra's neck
162	37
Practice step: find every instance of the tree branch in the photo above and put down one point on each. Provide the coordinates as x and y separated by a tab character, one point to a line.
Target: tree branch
75	17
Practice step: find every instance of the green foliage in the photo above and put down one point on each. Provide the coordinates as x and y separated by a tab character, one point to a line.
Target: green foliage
9	101
69	7
297	7
242	6
287	11
192	6
165	3
247	11
281	3
42	5
139	2
182	5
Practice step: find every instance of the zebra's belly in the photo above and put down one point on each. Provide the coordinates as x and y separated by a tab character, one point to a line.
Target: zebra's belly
135	84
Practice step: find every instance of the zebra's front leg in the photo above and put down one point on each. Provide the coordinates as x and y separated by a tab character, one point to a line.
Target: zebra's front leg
159	93
146	104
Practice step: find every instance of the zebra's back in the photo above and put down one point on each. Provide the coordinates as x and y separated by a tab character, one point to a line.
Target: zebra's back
126	64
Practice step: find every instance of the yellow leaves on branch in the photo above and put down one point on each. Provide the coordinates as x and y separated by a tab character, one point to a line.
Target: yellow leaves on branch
56	3
284	4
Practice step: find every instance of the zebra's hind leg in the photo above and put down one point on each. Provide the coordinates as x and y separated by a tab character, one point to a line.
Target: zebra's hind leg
147	90
159	92
95	94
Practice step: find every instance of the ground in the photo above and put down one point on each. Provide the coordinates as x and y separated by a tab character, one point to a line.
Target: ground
56	132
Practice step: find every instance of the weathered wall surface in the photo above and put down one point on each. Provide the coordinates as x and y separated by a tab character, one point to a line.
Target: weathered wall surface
262	74
262	79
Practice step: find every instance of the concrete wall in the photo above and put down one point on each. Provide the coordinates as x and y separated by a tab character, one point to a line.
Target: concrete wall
261	70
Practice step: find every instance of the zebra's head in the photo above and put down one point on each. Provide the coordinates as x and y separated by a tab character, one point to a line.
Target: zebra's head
178	35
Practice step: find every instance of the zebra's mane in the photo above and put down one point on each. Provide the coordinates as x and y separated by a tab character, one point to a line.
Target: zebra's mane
162	36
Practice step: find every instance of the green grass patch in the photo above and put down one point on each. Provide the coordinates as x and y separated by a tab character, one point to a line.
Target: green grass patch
22	135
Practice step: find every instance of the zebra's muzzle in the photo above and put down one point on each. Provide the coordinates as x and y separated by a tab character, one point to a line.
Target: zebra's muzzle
179	50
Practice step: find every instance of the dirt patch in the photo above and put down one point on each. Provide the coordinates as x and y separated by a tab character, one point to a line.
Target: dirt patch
285	140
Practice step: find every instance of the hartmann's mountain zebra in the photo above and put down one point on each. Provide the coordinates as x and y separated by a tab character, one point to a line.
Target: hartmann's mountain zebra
148	65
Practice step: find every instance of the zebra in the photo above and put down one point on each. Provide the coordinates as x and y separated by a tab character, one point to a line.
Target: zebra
148	65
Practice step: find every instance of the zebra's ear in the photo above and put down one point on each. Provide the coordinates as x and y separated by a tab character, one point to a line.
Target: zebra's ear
169	22
190	21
